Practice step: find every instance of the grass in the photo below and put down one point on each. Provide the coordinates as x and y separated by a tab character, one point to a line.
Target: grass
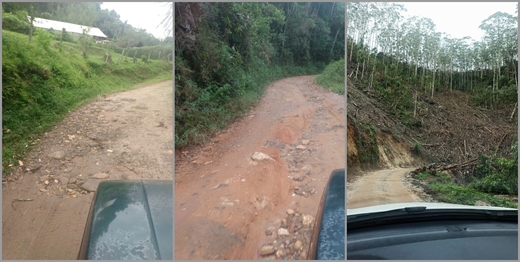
41	85
442	187
422	176
333	77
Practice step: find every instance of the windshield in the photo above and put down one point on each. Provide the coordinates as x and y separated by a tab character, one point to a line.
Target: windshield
432	104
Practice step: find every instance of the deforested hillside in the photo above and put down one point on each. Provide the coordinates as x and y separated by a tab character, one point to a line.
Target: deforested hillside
445	106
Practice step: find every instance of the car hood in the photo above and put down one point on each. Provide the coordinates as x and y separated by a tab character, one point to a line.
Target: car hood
132	220
428	205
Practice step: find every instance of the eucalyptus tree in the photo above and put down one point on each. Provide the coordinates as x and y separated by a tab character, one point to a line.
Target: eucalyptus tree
432	52
496	34
358	24
387	39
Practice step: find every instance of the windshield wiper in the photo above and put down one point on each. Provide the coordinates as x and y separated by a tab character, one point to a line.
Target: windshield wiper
421	213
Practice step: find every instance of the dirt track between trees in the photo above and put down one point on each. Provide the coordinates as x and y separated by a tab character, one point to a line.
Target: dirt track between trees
127	135
380	187
229	206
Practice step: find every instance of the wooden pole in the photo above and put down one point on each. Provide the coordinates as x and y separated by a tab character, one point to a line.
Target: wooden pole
121	57
61	37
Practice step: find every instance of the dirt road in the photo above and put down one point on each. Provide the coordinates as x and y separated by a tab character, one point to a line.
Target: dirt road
126	135
229	206
381	187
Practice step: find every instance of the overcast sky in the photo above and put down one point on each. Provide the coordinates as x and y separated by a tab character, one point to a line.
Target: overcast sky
459	19
146	15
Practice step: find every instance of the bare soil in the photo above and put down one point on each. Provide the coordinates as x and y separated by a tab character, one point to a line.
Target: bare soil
45	201
229	206
386	186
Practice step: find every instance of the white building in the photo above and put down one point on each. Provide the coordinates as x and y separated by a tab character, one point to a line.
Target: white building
70	28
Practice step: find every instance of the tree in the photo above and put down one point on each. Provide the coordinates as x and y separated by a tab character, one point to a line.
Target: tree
35	9
85	41
109	23
500	39
167	22
82	13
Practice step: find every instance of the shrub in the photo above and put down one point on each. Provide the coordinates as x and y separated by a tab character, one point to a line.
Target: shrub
506	95
44	38
417	148
497	176
333	77
16	22
63	36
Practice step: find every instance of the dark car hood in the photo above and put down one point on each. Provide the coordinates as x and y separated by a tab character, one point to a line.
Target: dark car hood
131	220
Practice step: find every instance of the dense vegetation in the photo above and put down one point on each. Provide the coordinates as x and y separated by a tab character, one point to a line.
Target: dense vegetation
44	79
402	59
333	77
226	53
494	178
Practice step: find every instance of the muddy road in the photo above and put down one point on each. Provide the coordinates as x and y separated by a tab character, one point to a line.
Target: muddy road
229	204
380	187
127	135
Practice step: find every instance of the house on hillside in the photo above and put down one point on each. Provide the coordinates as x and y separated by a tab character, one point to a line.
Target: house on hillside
95	32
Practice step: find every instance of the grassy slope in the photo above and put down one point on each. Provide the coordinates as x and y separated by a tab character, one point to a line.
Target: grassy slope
41	85
333	77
